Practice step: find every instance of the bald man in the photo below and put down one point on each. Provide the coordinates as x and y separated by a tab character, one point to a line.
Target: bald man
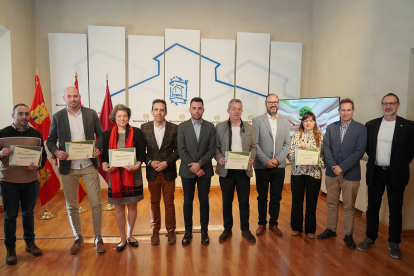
71	124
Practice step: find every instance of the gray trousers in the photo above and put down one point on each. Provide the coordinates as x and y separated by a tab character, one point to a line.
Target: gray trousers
70	183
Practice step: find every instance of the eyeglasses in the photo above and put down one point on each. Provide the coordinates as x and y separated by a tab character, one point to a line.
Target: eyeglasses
390	104
276	102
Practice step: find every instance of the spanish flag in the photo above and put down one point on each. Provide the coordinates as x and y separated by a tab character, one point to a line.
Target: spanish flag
40	120
82	190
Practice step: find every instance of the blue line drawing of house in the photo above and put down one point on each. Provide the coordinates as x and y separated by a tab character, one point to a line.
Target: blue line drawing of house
204	57
178	90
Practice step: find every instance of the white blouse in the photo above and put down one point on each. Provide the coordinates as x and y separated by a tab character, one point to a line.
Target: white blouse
308	140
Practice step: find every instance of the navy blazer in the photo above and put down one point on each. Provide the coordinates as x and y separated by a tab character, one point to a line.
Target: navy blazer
347	154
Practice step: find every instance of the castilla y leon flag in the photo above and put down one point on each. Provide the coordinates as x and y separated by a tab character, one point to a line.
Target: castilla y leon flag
105	122
82	190
40	120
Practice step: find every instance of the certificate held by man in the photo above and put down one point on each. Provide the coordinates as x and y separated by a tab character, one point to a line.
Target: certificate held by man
237	160
122	157
25	156
80	149
307	156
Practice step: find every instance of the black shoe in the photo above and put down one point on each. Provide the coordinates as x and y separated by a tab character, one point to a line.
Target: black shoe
328	233
134	244
204	238
119	247
248	235
225	235
186	239
349	241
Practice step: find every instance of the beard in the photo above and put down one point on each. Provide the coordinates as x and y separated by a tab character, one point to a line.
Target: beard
271	113
196	118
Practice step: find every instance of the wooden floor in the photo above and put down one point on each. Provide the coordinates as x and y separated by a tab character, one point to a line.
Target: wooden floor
271	255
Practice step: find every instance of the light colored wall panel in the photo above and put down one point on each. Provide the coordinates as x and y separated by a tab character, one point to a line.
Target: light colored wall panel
252	72
217	77
146	75
285	69
106	55
67	54
182	72
6	103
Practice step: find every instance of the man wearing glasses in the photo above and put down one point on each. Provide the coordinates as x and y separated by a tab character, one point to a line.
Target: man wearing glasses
272	142
390	150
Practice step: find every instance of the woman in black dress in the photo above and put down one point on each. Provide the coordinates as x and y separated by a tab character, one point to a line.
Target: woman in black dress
125	183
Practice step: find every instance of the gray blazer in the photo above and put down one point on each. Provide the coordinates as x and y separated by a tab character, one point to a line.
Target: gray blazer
60	130
191	151
264	141
222	140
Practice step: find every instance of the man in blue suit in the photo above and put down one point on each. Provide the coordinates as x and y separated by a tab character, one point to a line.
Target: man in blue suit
344	145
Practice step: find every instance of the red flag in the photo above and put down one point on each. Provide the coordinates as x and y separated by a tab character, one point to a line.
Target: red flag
82	190
40	120
105	122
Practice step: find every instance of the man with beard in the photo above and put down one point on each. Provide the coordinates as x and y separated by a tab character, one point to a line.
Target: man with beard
196	142
19	184
390	150
273	143
72	124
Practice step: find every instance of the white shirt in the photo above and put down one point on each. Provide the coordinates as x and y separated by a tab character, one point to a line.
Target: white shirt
273	126
159	134
77	133
384	142
236	141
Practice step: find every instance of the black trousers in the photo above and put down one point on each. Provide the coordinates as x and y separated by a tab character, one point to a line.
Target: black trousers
239	180
203	188
276	178
299	185
395	202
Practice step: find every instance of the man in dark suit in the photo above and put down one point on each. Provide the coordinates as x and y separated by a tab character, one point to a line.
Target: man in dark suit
160	139
71	124
390	150
344	145
196	142
235	135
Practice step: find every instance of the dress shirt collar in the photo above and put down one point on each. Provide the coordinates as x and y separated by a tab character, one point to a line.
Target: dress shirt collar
77	113
18	129
270	117
194	123
163	125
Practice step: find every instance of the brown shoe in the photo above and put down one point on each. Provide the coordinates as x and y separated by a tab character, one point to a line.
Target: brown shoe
32	248
275	230
260	230
172	239
310	236
155	238
99	244
76	247
11	258
294	233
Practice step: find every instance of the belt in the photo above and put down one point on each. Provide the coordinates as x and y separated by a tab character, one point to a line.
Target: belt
385	168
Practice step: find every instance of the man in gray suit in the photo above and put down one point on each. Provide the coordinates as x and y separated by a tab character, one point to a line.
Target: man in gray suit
196	143
344	145
76	123
273	143
235	135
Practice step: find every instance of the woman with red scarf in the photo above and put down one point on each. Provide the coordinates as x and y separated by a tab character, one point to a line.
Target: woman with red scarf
125	183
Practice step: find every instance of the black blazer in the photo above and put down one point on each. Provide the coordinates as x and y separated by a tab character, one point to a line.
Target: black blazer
402	150
60	131
139	144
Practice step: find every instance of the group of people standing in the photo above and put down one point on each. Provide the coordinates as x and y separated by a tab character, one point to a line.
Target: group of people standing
387	141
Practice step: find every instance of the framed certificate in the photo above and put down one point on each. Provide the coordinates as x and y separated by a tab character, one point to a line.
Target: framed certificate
80	149
307	156
122	157
25	156
237	160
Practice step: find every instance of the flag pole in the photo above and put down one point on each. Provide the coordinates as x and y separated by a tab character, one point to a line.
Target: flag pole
107	206
46	214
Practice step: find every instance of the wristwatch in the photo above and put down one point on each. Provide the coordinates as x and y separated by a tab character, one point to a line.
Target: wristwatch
149	163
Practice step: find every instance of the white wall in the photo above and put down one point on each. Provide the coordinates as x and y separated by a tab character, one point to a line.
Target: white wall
6	102
361	50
